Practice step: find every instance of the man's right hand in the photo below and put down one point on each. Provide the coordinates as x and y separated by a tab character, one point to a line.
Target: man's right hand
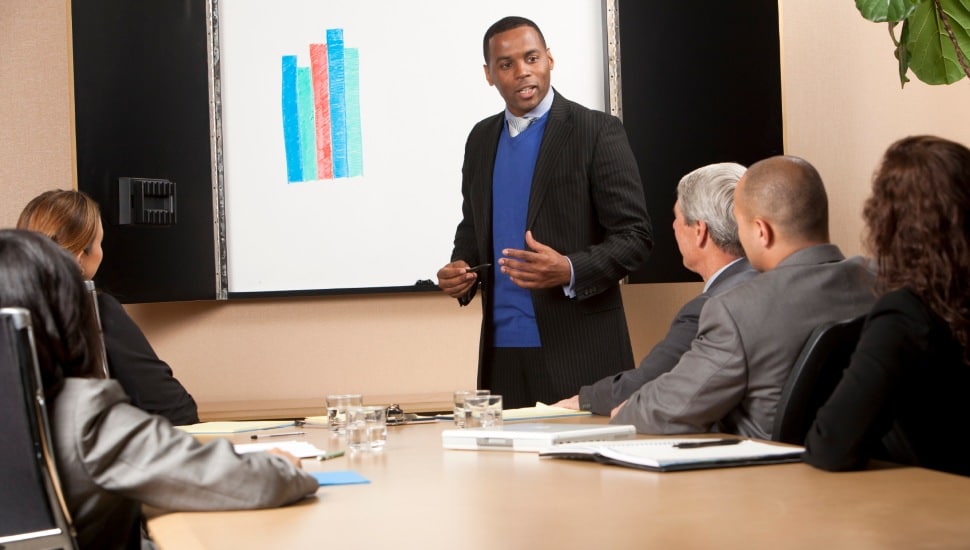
569	403
455	279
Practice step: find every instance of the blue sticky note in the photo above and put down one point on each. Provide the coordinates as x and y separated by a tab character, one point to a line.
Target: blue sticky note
345	477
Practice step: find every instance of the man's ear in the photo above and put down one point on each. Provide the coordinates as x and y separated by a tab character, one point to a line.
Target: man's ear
488	76
766	233
701	234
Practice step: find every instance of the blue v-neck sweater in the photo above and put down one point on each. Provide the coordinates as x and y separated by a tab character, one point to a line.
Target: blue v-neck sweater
512	313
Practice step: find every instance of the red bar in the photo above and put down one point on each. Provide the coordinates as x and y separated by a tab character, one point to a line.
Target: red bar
321	108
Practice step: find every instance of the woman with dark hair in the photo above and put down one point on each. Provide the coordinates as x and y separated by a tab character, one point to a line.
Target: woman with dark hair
112	457
903	396
72	219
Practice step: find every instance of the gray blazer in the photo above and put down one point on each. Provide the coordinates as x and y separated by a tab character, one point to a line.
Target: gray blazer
749	337
586	202
607	393
112	457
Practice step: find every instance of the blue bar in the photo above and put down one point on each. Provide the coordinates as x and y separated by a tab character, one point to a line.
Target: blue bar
308	128
338	103
355	146
291	121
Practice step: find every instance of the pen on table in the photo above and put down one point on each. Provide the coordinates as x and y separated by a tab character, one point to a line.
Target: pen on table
330	454
256	436
708	443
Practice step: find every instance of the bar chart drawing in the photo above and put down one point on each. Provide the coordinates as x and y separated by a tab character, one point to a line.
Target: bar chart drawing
321	112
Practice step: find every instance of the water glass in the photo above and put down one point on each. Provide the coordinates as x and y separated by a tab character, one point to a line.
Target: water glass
366	428
460	413
483	411
337	406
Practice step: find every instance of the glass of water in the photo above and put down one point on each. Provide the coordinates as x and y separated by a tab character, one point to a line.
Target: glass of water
366	428
337	406
459	400
483	411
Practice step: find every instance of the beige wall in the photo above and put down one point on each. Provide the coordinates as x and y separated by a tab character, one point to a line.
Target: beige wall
842	103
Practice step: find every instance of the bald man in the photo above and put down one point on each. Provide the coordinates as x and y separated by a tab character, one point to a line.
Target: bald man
749	337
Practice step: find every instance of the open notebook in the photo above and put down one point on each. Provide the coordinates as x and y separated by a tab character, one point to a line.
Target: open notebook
665	455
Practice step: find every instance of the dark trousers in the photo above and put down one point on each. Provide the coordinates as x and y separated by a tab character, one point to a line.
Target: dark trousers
519	375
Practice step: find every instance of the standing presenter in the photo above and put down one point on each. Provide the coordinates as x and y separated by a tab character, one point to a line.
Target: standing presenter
552	198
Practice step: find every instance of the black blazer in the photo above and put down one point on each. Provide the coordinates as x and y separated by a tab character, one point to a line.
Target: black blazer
586	202
146	379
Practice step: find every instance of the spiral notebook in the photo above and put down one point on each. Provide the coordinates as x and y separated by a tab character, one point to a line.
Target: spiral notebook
668	455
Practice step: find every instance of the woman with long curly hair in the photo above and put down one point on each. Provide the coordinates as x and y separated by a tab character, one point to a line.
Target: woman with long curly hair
903	396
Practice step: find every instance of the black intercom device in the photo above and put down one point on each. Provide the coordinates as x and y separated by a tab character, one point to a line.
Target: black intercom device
145	201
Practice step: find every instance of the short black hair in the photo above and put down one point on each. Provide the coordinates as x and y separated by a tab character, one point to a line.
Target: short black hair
507	24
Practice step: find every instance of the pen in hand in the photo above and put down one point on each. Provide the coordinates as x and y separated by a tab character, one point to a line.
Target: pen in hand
256	436
708	443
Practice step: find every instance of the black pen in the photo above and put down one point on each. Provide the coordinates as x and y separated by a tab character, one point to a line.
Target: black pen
708	443
479	267
255	436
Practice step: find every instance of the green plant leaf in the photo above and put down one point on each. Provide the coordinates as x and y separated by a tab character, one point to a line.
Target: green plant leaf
932	56
886	10
902	54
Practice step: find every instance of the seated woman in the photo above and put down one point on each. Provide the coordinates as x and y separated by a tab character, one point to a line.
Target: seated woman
903	396
73	220
112	457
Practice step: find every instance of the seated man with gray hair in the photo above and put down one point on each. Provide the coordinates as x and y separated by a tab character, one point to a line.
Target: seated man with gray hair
707	237
749	337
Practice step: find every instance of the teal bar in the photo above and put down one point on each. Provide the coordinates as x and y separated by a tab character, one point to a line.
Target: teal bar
355	146
308	128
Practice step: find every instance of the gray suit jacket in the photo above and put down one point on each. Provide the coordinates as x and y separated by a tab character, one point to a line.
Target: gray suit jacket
112	457
604	395
731	378
586	202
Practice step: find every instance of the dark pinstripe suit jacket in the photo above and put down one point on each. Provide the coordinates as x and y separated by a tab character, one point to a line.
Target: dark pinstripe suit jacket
587	203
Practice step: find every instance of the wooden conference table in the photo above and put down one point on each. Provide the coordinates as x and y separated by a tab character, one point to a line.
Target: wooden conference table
422	496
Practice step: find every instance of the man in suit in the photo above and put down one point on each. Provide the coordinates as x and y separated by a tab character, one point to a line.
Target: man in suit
552	198
749	337
707	237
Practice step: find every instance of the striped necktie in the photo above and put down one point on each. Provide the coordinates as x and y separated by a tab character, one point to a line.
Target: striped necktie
517	125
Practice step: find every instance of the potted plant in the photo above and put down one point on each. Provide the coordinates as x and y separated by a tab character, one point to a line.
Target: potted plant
935	38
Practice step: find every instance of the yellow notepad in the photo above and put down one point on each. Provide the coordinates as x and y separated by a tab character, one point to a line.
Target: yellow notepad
541	410
226	428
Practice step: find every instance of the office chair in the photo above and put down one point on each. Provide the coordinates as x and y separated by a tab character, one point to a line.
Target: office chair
103	359
34	515
812	380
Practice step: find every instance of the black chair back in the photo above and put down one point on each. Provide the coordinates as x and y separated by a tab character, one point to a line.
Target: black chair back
103	358
812	380
34	515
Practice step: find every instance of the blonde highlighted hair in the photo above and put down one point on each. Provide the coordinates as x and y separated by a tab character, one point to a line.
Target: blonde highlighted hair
70	218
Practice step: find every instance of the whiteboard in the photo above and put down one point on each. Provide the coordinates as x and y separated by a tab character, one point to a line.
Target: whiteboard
421	89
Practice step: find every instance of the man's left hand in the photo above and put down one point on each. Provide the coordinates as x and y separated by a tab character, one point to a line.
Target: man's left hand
539	267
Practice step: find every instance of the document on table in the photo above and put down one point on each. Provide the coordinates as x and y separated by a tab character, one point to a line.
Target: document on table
223	428
299	449
667	454
540	411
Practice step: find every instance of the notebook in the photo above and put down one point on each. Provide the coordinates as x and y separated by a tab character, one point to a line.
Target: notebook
531	436
667	455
